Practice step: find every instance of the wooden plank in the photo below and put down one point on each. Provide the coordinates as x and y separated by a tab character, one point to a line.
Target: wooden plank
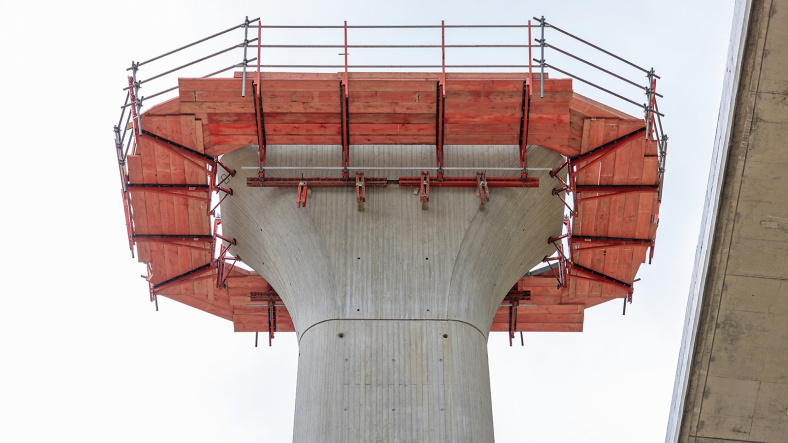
397	139
299	85
635	172
611	266
185	211
173	268
391	85
273	118
453	107
503	129
548	318
231	117
235	139
644	215
214	84
650	170
548	107
593	109
474	118
626	260
152	209
158	271
481	139
621	164
302	107
234	95
392	96
303	129
233	128
391	108
139	207
392	118
304	140
513	96
550	327
284	96
550	309
551	87
629	222
217	107
393	129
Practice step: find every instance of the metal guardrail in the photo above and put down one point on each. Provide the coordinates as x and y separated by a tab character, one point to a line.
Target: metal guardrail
598	70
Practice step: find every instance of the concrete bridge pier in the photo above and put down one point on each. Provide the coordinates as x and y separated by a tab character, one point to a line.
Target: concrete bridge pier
392	305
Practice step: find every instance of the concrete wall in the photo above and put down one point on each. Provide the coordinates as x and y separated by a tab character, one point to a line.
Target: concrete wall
393	280
732	380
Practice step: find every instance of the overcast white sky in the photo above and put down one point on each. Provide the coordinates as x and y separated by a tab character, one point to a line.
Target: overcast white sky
84	357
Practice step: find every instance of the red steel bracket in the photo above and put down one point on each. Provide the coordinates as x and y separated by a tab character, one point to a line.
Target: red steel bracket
599	153
302	194
482	190
361	191
513	299
424	190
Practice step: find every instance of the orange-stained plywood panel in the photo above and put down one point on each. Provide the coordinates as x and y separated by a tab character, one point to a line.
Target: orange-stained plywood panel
211	116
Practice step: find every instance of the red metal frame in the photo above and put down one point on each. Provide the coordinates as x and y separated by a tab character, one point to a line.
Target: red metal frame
513	299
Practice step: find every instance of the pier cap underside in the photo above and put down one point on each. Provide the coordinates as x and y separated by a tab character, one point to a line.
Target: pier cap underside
391	261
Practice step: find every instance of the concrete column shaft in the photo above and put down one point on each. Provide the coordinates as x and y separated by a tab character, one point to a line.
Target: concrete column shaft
393	380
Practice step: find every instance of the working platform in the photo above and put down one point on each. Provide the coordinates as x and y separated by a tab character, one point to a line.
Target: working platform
173	177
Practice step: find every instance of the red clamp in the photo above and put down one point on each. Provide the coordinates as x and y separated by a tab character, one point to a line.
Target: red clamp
302	194
482	190
361	191
424	190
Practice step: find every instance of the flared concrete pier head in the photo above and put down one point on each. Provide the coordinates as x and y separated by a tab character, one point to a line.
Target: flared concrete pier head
392	305
390	220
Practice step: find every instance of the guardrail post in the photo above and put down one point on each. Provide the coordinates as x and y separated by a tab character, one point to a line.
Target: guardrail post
541	61
650	97
137	100
246	45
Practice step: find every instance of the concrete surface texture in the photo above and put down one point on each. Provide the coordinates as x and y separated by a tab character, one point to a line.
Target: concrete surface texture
392	305
737	383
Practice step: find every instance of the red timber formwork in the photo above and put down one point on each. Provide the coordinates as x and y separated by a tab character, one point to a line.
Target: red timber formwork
172	175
